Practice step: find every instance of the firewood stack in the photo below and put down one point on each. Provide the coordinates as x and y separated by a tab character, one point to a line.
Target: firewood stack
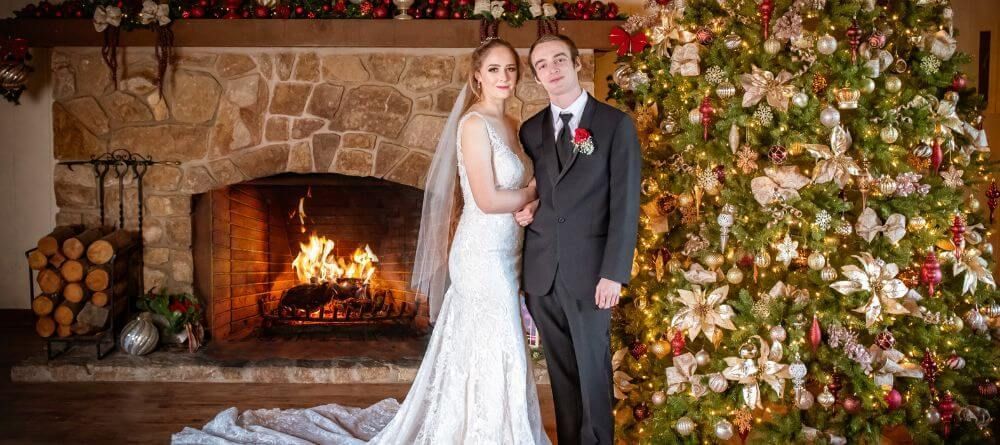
74	276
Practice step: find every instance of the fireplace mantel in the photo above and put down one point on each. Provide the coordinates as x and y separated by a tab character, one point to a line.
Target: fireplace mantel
350	33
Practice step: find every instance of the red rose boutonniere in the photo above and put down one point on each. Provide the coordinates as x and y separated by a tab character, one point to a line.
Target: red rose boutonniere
583	141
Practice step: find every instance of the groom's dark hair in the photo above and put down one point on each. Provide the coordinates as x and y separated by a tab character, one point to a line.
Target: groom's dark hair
574	53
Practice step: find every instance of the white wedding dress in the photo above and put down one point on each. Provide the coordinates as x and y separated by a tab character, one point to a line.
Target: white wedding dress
475	384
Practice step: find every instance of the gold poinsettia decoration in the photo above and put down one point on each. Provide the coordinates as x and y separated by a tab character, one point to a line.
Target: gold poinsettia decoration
879	279
703	312
834	165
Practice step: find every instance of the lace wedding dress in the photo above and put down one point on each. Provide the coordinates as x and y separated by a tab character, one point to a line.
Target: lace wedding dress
475	384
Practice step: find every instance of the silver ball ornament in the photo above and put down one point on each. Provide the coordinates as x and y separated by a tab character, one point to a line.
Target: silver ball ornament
702	358
868	85
933	416
828	274
778	333
826	45
826	398
685	426
772	46
695	116
889	134
800	99
733	41
804	400
659	398
724	430
816	261
717	383
829	117
725	90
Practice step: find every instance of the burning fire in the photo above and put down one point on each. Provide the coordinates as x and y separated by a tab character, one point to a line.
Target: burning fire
317	263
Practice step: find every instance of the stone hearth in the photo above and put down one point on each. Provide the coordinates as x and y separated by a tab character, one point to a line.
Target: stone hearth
233	115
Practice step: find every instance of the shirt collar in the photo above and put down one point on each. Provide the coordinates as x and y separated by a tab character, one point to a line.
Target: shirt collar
576	107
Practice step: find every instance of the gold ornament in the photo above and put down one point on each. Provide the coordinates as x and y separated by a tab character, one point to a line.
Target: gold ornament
725	90
772	46
819	83
828	273
734	275
817	261
847	98
762	259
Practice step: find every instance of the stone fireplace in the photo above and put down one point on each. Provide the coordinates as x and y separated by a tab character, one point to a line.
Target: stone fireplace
257	127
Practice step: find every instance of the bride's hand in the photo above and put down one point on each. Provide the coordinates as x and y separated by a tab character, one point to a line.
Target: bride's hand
532	190
526	216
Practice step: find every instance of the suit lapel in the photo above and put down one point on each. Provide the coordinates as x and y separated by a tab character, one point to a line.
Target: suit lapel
549	144
585	120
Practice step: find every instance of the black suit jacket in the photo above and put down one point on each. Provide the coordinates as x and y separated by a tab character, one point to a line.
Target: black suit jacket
588	215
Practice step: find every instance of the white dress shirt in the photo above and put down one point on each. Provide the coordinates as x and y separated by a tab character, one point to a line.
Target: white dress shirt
576	108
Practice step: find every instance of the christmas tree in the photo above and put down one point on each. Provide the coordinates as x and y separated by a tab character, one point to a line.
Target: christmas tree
814	261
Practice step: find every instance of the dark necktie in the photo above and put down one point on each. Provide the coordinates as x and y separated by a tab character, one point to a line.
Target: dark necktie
564	143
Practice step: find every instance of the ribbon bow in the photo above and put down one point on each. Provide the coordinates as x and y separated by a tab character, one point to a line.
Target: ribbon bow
105	16
782	290
682	374
622	381
153	12
699	275
685	60
869	225
943	113
834	165
627	43
942	44
760	84
780	184
892	366
751	371
878	60
976	270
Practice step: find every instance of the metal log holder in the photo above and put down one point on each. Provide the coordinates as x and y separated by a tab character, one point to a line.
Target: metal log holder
104	341
120	162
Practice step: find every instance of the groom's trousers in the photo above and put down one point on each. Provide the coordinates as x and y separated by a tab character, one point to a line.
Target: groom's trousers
576	340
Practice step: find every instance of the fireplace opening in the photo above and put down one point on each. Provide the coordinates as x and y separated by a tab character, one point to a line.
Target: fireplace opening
297	253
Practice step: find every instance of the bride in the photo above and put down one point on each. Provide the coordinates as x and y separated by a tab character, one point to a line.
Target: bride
475	384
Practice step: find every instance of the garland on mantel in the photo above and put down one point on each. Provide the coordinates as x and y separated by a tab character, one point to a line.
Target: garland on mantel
111	16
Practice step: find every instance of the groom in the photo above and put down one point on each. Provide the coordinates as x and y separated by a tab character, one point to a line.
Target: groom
579	244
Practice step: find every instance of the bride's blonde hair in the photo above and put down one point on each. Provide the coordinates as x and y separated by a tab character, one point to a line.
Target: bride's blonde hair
477	62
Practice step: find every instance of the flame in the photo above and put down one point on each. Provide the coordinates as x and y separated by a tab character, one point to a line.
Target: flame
316	262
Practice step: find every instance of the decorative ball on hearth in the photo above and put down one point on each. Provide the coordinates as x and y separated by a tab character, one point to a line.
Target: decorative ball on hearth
140	336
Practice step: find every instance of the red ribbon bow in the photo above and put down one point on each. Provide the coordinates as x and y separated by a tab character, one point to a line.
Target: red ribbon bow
627	43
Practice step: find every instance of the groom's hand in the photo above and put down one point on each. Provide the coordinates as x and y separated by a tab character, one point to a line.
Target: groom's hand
607	293
526	215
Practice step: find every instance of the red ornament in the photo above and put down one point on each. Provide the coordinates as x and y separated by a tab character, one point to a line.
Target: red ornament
340	7
745	261
456	15
992	198
885	340
197	12
894	399
936	156
930	272
677	344
246	14
366	8
987	389
441	12
958	235
627	43
326	7
707	112
877	39
300	10
641	412
836	384
852	404
637	349
854	38
765	9
232	8
777	154
185	13
261	12
720	173
381	12
931	371
282	11
704	35
815	334
959	81
947	409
